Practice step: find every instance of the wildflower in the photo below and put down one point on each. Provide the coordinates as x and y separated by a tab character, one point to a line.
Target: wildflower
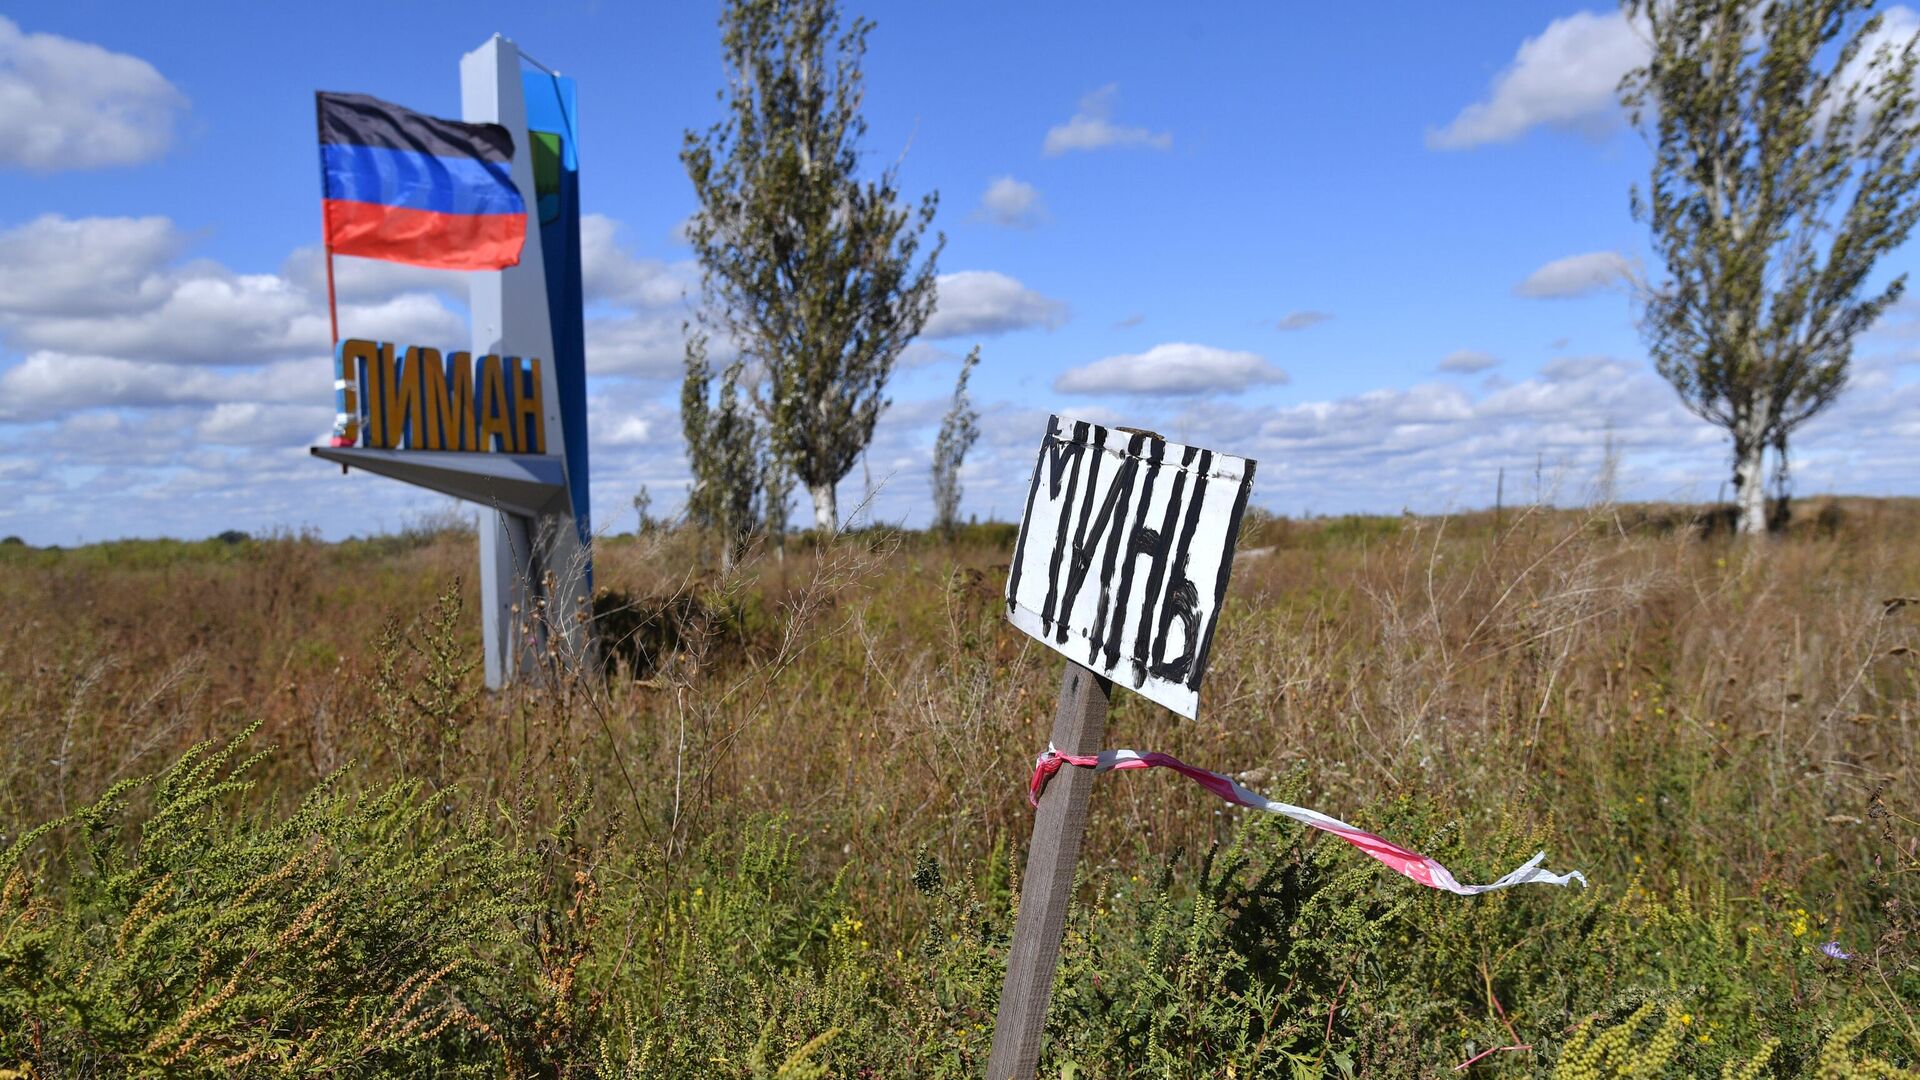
1833	949
1799	922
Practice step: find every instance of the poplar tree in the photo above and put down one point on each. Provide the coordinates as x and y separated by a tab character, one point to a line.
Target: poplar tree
807	267
958	430
1784	168
725	452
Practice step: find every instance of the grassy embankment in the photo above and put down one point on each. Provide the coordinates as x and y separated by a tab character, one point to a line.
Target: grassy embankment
789	841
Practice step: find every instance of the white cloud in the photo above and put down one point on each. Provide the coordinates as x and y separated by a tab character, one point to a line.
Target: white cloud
54	265
46	384
1172	368
355	278
112	287
1438	447
1092	128
1574	368
1566	78
649	345
608	273
1898	26
1576	275
1468	362
235	423
214	316
68	104
982	303
1013	203
648	421
1301	320
920	354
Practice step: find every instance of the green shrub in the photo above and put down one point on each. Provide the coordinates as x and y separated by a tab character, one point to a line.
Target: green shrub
372	933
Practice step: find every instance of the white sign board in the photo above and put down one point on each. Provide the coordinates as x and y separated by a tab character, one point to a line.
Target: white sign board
1124	553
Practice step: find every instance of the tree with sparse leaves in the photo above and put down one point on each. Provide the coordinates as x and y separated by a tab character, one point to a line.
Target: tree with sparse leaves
808	268
725	452
1784	137
776	500
958	430
643	509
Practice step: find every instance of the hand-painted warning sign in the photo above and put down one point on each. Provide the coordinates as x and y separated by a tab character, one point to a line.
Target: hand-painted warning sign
1124	554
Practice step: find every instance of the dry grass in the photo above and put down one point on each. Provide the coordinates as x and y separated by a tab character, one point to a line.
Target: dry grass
1682	708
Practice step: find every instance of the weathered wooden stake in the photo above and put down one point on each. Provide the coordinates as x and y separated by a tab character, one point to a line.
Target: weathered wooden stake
1079	727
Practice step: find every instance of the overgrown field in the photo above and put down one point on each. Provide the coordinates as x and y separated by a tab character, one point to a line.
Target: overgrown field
258	819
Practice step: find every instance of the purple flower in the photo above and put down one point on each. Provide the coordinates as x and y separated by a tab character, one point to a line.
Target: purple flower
1833	949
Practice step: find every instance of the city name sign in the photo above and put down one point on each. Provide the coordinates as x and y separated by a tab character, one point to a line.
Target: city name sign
395	397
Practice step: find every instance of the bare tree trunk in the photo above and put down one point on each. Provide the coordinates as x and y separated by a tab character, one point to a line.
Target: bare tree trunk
1749	481
826	517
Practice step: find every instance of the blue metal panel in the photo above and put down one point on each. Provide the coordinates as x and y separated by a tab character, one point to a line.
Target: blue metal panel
551	108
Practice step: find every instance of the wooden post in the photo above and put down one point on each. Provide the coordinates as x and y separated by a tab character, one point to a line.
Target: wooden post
1079	727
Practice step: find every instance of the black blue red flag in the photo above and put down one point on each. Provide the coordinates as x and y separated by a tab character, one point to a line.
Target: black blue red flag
410	188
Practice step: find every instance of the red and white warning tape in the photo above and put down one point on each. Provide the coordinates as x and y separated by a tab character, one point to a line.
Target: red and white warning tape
1412	864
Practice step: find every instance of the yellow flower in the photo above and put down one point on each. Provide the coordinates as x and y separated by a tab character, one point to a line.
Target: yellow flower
1686	1018
698	892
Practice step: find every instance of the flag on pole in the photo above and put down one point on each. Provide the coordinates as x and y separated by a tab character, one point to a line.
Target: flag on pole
410	188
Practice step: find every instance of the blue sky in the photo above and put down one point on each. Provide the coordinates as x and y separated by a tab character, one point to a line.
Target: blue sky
1378	254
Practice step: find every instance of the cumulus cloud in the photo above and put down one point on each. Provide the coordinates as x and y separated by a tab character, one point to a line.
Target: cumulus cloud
1092	128
1576	275
113	287
1172	368
1013	203
983	303
249	423
1574	368
357	279
1468	362
610	274
68	104
46	385
213	316
1898	26
55	265
624	421
145	392
1565	78
1300	320
645	345
920	354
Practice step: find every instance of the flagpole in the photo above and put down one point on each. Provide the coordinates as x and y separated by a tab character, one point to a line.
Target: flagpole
333	310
